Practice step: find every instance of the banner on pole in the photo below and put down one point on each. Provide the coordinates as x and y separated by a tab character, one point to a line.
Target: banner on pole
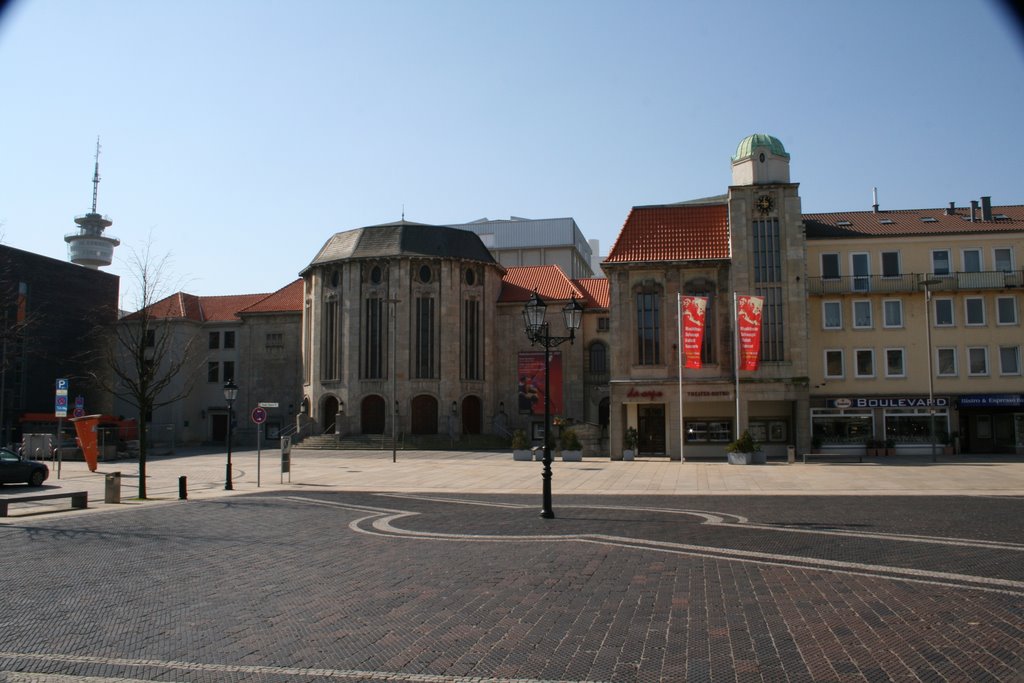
748	324
694	313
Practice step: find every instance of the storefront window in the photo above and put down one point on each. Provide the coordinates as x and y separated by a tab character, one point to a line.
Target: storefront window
913	425
773	431
709	432
836	428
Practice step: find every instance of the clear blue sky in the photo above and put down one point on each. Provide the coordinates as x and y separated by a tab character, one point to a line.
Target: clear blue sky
242	134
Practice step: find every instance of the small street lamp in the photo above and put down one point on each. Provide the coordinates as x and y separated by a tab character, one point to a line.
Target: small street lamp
230	394
931	375
538	332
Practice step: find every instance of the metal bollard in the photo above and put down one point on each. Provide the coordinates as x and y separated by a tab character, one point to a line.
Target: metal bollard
183	488
112	488
790	454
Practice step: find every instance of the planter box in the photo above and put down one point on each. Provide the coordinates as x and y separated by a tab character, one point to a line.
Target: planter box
757	458
524	454
572	456
627	455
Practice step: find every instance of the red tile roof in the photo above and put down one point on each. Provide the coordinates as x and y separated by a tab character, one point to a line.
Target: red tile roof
288	299
204	309
519	282
686	232
596	289
909	222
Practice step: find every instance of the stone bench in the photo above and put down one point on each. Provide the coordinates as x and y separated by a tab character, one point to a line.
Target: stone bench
79	499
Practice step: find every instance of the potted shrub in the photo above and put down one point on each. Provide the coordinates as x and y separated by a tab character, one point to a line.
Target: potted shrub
569	443
521	446
629	440
745	451
890	447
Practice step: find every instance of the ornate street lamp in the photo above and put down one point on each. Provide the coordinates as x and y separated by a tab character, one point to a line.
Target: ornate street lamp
230	394
928	337
538	332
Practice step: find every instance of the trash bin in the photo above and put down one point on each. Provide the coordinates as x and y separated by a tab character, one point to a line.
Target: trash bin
791	454
112	488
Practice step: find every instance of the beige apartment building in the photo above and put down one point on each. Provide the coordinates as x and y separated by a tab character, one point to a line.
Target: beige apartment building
915	321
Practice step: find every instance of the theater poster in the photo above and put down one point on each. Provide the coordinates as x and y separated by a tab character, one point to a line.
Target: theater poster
748	322
531	382
694	312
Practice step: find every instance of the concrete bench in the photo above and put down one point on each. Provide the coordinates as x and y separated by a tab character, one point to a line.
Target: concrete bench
835	456
79	499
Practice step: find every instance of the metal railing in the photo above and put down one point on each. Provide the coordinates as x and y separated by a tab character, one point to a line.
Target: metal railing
910	282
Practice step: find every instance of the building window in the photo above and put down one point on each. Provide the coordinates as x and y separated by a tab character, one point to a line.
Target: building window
719	431
648	327
832	315
1009	360
1006	310
229	339
834	364
1003	259
940	262
471	338
943	313
598	358
213	371
215	340
974	308
423	366
890	264
977	360
830	266
603	324
840	429
425	274
894	363
329	361
861	314
860	264
972	260
946	362
892	310
373	337
307	341
229	370
865	362
275	341
150	338
767	248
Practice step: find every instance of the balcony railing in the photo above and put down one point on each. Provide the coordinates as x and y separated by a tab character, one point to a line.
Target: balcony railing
910	282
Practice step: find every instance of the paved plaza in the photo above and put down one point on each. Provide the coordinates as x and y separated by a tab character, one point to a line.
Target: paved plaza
438	568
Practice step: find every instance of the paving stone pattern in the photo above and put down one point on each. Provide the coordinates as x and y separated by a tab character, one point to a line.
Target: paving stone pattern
351	586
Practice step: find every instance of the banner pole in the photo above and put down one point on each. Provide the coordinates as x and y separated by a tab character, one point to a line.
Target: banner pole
736	360
679	320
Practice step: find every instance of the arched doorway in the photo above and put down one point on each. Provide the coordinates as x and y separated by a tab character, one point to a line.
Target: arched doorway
329	412
424	415
471	415
372	415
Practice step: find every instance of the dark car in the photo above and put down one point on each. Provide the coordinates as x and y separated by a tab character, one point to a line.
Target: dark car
15	469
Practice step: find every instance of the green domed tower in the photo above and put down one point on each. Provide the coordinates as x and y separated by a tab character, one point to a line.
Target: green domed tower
760	159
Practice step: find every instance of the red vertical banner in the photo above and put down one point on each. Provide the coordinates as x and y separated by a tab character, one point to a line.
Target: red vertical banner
748	324
694	312
531	382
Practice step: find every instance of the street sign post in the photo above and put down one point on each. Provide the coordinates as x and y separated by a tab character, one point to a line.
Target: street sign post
60	410
259	416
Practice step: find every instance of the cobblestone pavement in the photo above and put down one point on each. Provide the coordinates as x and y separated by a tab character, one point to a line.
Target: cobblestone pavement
360	586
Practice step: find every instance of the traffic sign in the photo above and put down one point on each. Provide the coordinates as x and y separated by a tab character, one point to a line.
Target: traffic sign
259	415
79	401
62	384
268	404
79	412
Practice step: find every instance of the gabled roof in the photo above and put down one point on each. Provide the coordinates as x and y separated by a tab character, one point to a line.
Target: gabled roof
403	238
288	299
550	283
681	232
909	222
201	309
597	291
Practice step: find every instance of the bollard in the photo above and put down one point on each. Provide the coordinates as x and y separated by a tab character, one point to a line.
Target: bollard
183	488
112	488
790	454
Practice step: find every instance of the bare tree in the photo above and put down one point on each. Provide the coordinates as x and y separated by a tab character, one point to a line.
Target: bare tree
148	362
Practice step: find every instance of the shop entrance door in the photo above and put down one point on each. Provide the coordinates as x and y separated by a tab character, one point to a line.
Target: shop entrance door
651	429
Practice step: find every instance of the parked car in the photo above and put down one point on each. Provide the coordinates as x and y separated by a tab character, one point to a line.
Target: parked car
14	469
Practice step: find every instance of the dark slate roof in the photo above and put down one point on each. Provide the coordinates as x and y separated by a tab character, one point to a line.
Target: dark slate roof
403	238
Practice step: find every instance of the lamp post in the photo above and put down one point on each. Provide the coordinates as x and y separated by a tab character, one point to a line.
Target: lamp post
928	337
538	332
230	394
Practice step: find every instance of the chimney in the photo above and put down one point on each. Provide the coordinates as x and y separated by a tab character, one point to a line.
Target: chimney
974	210
874	198
986	208
951	211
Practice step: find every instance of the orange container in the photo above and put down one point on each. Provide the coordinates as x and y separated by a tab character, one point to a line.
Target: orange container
85	428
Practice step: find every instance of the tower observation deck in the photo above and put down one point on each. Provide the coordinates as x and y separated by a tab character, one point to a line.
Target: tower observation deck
89	247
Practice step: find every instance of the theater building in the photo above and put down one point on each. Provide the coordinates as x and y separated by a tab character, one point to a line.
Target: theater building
749	241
